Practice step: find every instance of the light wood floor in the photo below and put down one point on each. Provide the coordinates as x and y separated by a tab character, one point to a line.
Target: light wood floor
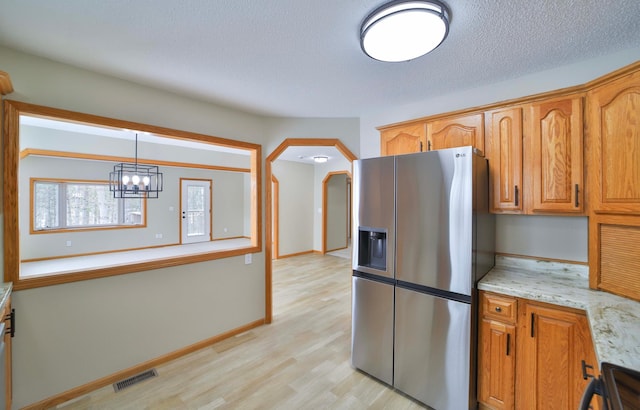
300	361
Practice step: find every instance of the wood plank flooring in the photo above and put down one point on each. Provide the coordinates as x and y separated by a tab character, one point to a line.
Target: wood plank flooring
300	361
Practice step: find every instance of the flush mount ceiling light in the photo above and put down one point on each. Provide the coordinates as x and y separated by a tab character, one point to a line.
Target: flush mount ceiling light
320	159
403	30
134	180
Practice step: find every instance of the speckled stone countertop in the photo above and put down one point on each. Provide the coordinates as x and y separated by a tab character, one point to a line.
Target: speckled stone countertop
614	320
5	291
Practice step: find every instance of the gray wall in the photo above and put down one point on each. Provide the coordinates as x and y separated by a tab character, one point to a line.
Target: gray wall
76	333
163	213
321	172
336	212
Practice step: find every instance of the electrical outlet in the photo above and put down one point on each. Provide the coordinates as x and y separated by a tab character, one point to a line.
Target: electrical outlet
158	236
247	258
68	243
225	229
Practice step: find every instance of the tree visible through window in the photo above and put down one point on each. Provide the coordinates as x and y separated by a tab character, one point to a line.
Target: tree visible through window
70	205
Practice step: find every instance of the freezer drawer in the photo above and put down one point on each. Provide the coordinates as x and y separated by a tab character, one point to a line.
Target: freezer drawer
372	328
433	349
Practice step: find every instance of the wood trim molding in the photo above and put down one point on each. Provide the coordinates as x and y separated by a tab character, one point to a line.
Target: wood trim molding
276	217
537	258
35	282
77	117
5	83
289	142
291	255
562	92
108	158
11	126
132	371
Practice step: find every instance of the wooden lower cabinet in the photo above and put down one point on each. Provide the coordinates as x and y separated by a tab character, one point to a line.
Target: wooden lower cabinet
536	362
5	313
496	352
496	364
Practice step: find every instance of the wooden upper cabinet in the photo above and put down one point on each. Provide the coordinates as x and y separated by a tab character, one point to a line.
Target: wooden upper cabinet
454	132
403	139
553	155
614	145
504	152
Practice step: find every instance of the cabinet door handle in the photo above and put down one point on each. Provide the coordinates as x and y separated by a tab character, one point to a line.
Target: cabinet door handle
429	145
577	189
420	146
11	317
586	375
508	343
516	193
533	323
498	309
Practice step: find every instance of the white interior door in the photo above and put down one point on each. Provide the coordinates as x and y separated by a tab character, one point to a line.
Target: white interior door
196	210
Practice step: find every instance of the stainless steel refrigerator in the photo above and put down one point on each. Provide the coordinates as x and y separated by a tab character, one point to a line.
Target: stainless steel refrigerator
423	237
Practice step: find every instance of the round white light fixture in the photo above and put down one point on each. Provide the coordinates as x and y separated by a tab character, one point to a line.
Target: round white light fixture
402	30
321	159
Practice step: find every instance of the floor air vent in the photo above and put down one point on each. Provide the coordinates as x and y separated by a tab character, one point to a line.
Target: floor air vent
134	380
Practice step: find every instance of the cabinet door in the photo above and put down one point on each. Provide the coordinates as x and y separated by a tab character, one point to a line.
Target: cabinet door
614	145
504	151
404	139
551	346
554	155
496	364
5	314
456	132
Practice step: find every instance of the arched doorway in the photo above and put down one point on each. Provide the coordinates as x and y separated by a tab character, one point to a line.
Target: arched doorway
336	211
290	142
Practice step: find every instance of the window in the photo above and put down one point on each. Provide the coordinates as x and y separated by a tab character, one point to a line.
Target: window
81	204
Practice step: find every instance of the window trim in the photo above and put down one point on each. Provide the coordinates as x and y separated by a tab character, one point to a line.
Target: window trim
65	229
12	112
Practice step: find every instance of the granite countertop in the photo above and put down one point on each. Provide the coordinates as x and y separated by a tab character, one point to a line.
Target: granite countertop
614	320
5	292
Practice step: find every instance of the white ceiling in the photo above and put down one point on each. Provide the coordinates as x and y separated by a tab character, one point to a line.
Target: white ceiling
298	58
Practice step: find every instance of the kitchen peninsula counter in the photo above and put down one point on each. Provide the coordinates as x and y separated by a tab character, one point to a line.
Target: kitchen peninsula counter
5	292
614	320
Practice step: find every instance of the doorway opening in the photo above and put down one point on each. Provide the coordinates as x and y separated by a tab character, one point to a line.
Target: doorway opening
269	216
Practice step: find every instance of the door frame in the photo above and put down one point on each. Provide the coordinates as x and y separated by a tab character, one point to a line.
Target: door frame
268	260
275	189
325	199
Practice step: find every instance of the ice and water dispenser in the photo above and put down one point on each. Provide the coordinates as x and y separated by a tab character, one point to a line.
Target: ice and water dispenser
372	248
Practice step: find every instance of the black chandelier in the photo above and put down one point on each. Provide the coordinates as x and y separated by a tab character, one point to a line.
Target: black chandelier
133	180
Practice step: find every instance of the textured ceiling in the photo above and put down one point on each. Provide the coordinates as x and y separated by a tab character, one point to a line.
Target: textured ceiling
298	58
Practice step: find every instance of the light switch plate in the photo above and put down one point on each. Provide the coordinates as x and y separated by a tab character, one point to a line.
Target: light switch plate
247	258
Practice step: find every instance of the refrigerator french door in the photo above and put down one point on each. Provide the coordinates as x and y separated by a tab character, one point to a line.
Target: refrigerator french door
442	242
373	282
